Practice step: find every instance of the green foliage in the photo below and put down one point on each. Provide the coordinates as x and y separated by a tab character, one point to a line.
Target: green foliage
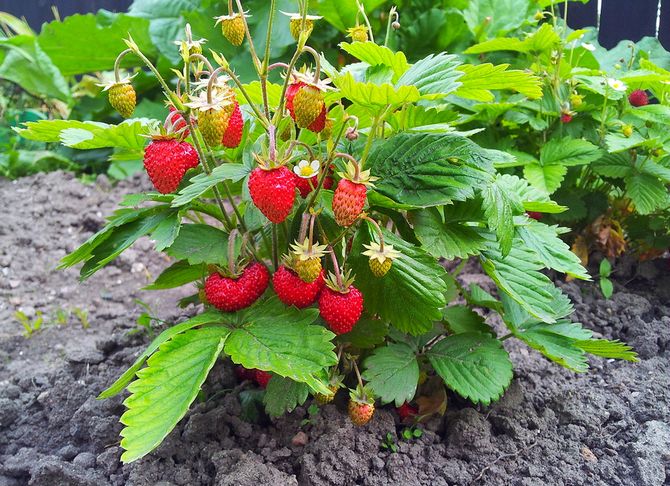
283	395
393	373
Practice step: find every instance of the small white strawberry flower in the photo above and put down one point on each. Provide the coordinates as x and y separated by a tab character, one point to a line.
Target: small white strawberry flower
616	85
306	169
588	46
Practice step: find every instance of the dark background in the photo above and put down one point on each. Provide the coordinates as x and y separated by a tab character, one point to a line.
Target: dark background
620	19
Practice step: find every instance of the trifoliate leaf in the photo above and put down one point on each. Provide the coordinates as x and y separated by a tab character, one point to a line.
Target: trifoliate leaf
434	76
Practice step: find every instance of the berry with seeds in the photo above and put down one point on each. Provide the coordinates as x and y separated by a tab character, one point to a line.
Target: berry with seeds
233	293
233	134
292	290
638	98
166	160
273	192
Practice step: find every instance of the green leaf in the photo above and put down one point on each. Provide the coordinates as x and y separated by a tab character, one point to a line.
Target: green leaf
425	170
542	40
474	365
208	317
550	249
605	268
376	55
481	298
613	165
273	337
200	243
518	275
647	193
367	333
342	14
496	17
546	178
461	318
373	96
533	199
500	205
283	395
165	389
178	274
555	341
434	76
393	373
478	81
411	294
451	239
608	349
607	287
166	231
87	43
569	152
201	183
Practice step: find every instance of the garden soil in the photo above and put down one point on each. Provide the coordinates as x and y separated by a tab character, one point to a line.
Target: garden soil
610	426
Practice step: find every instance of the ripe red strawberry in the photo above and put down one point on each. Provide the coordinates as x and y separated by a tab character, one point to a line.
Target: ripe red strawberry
233	135
232	294
406	410
291	290
534	214
360	413
348	201
262	378
306	186
566	118
319	122
178	122
243	373
166	160
341	310
273	192
638	98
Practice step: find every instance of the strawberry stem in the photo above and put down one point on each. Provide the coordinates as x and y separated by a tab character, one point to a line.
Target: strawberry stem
311	233
358	373
361	8
303	227
379	231
252	49
336	268
117	64
317	63
357	166
202	58
231	251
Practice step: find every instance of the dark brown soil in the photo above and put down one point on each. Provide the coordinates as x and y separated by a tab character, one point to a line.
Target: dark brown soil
610	426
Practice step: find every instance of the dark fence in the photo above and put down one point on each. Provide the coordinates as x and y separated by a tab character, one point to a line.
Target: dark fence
619	19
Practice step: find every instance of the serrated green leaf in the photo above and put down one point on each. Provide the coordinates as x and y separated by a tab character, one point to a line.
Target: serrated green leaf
474	365
393	373
546	178
425	170
647	193
552	342
569	152
165	389
434	76
461	318
373	96
608	349
367	333
166	231
410	295
550	249
613	165
448	240
208	317
273	337
178	274
201	183
376	55
200	243
533	199
500	205
283	395
518	275
478	81
481	298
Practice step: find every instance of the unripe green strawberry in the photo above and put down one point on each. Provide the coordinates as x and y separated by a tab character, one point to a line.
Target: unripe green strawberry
308	270
381	258
576	100
379	269
307	105
360	413
358	33
322	399
233	28
213	124
296	26
123	99
627	130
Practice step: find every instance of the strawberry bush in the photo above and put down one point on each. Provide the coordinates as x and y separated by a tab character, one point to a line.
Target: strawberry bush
316	210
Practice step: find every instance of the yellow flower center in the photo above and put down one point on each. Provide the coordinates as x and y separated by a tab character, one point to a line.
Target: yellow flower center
306	171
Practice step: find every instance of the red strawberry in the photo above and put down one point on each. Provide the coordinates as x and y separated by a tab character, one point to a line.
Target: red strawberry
534	214
638	98
232	294
320	122
291	289
178	121
341	311
406	410
262	378
273	192
348	201
233	134
566	118
244	374
306	186
166	160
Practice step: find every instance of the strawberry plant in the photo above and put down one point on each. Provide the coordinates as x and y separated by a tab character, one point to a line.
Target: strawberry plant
311	290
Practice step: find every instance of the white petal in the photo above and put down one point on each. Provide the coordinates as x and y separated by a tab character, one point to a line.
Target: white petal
315	165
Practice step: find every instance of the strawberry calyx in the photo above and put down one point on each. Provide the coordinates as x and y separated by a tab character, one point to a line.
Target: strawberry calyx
340	283
362	394
354	173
